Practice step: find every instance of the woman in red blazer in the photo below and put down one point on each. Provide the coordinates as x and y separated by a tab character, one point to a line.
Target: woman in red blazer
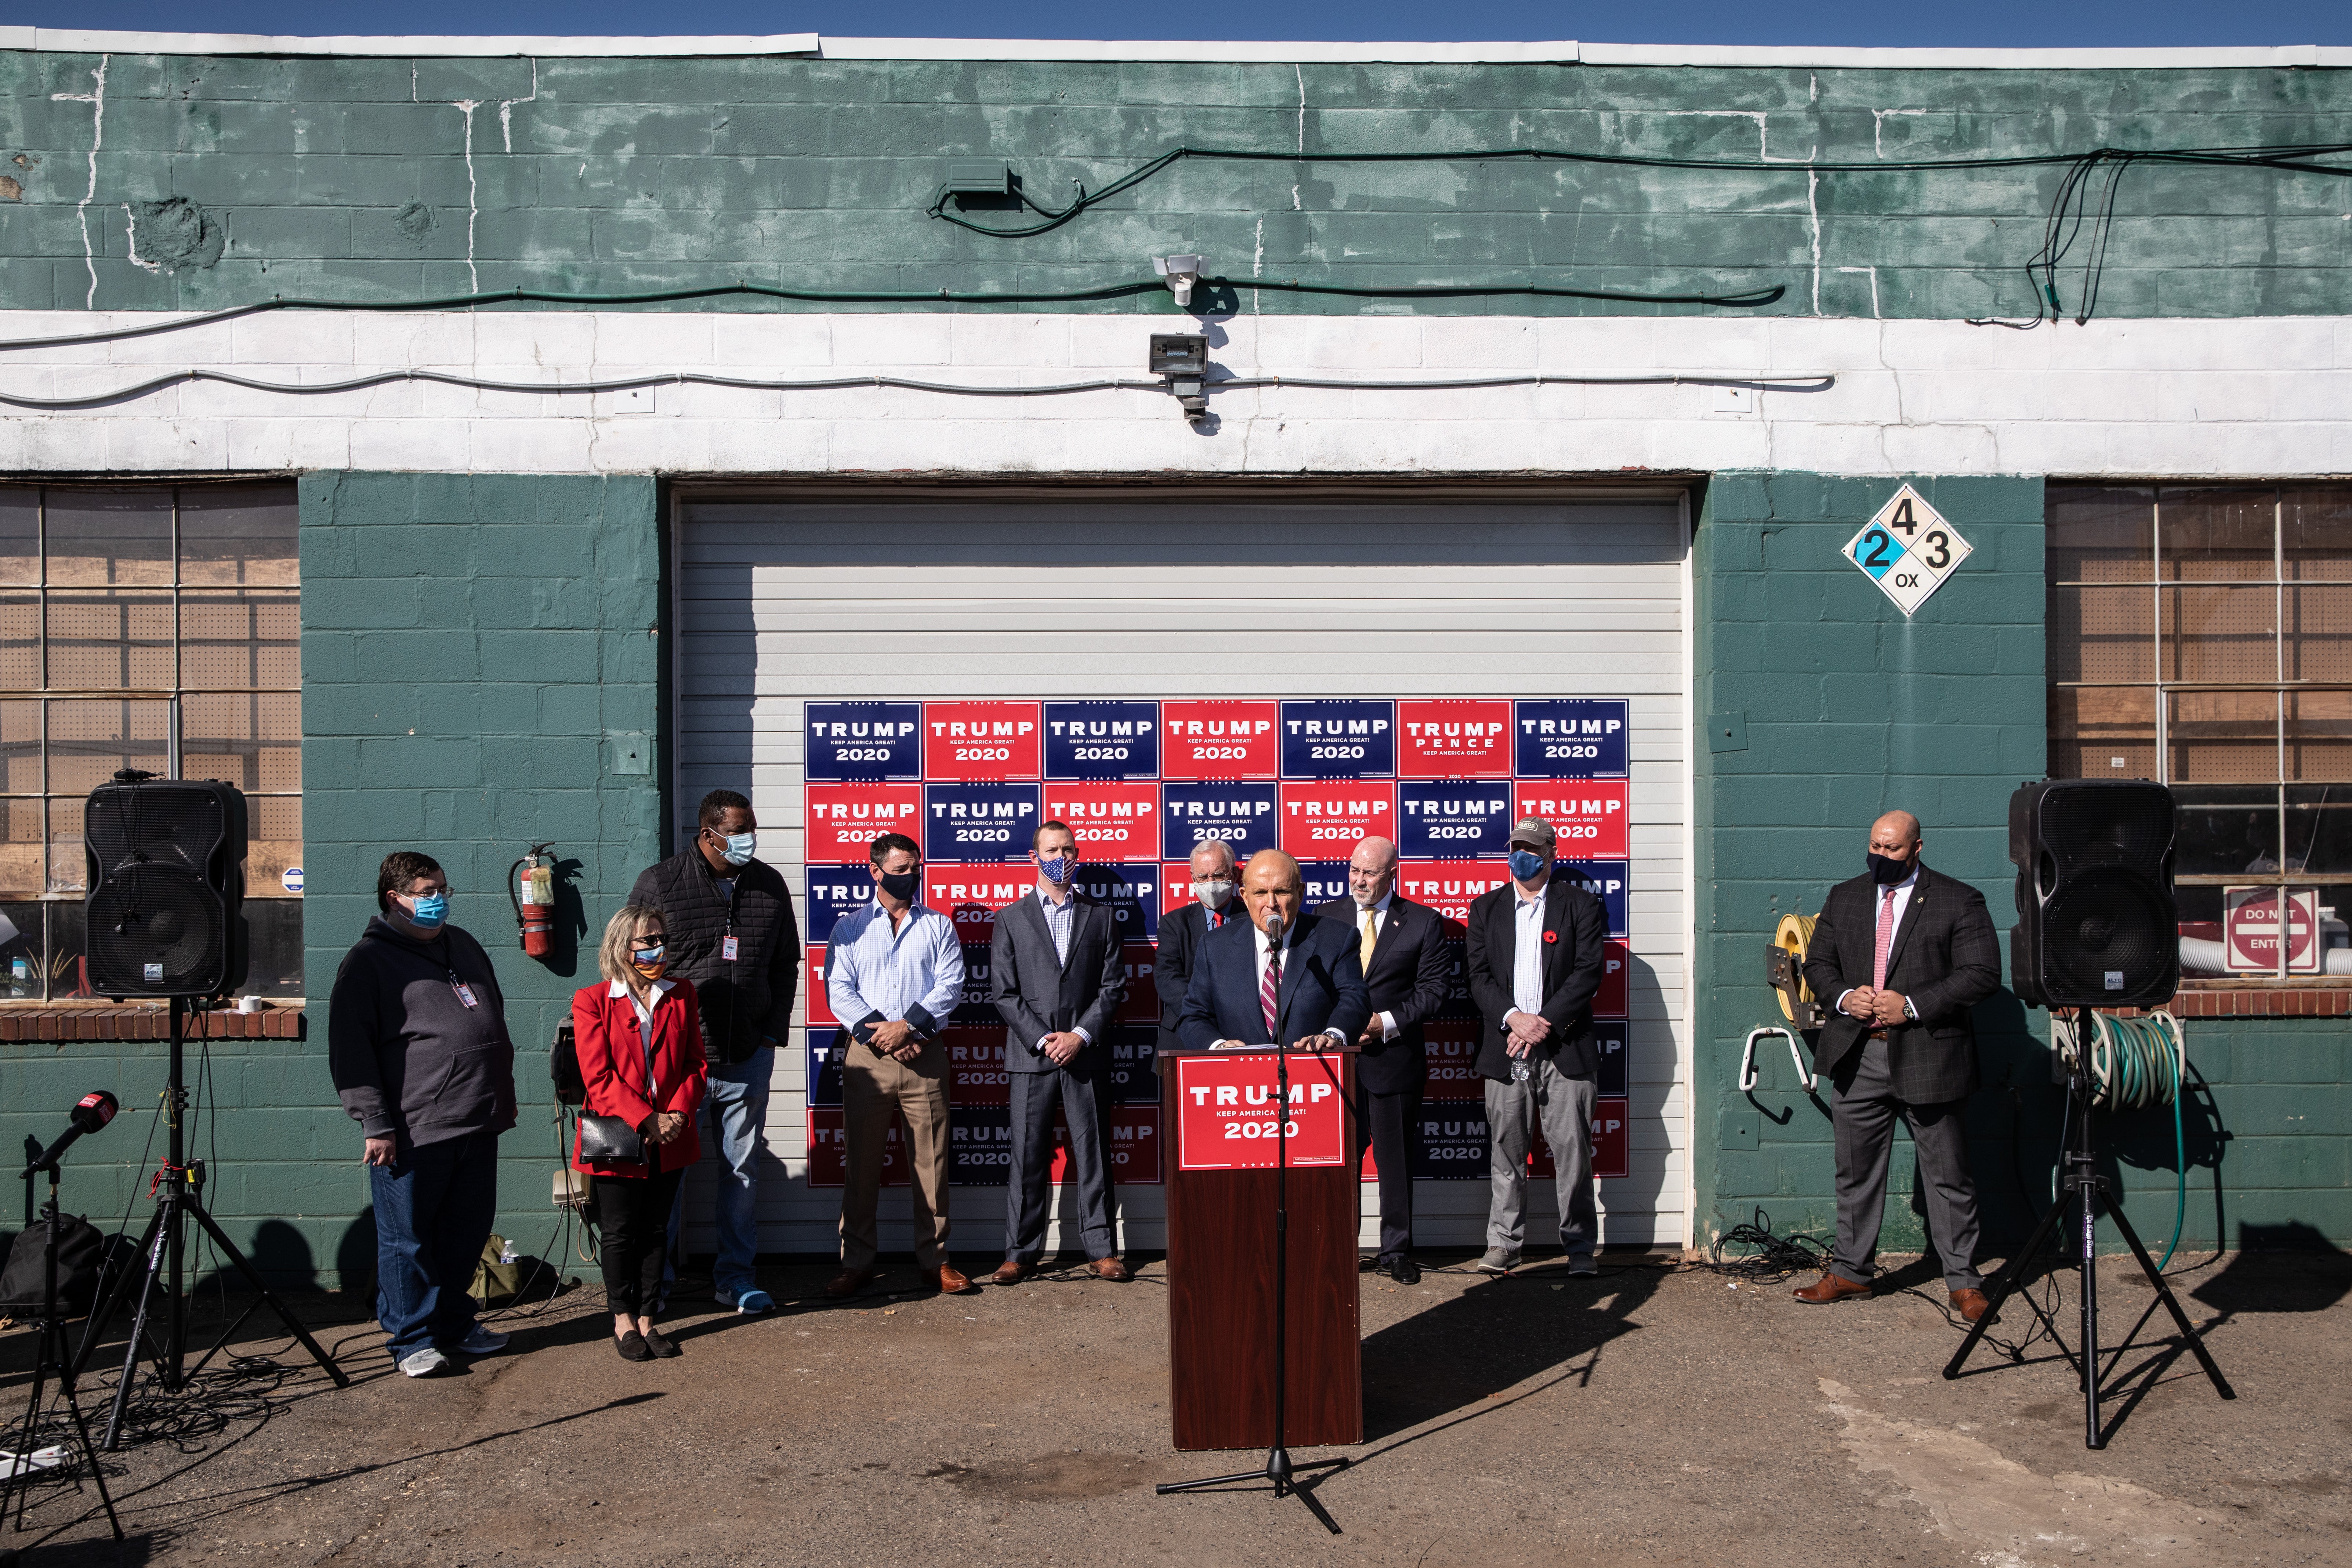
633	1021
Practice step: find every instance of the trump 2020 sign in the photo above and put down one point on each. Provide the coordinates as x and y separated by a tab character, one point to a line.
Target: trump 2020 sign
1143	782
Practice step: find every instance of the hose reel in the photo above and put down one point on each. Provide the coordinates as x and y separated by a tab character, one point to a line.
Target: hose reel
1784	971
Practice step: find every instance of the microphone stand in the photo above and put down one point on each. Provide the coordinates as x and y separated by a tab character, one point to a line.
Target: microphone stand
1278	1468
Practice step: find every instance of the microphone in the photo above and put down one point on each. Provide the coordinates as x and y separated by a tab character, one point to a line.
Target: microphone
90	1113
1273	929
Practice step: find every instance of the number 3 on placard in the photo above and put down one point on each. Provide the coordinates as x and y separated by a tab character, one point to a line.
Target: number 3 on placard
1941	544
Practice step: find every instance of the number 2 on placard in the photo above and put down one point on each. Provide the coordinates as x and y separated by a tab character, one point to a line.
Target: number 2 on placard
1874	548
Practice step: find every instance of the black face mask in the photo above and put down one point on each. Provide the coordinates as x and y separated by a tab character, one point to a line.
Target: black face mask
901	885
1888	872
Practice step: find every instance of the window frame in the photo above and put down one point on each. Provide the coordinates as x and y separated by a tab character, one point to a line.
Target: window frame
54	983
2278	689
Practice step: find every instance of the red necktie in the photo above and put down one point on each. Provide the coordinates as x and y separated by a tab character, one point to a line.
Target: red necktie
1885	936
1267	998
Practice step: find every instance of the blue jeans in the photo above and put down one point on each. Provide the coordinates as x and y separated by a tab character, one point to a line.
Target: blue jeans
433	1209
737	1101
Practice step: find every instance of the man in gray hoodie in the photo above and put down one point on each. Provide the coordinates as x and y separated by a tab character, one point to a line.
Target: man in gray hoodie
417	1040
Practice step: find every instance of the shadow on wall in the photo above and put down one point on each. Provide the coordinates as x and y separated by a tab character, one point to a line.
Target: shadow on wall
1642	1190
355	1257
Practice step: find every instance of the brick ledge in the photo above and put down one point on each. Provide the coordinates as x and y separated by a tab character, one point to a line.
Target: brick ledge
146	1021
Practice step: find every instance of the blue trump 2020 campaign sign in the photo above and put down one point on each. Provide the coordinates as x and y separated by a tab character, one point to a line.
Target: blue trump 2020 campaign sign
1338	739
864	743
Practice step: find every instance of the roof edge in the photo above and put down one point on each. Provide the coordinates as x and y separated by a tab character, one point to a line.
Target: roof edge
1553	52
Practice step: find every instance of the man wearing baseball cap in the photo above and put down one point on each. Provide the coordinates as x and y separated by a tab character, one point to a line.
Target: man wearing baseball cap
1535	955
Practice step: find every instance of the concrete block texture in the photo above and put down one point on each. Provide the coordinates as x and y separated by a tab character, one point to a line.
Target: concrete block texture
806	167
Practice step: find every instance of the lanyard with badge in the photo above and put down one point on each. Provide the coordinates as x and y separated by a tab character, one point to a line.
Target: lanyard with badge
465	991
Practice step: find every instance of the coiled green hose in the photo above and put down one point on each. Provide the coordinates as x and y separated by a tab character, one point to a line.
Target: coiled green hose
2138	1063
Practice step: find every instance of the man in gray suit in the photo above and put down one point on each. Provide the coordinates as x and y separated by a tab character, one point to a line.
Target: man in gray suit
1900	954
1057	975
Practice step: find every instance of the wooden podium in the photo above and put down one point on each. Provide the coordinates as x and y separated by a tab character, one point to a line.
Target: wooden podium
1217	1111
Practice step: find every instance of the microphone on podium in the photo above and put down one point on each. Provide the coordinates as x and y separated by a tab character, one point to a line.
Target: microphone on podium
1273	929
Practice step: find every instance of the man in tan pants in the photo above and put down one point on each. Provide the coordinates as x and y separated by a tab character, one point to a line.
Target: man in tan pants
893	972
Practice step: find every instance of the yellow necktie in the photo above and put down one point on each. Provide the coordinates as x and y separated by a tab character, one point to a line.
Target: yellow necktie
1371	938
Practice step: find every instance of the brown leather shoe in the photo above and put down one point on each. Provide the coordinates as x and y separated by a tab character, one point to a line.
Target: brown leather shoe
1830	1287
952	1282
1110	1269
849	1283
1971	1305
1012	1272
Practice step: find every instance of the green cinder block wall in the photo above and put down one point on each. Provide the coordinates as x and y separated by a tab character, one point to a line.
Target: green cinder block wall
1850	710
468	644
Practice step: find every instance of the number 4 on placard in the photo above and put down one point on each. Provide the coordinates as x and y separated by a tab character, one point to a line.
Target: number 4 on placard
1907	549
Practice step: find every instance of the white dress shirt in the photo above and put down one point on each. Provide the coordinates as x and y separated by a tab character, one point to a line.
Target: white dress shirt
1387	1021
644	1015
1060	920
1902	902
1527	948
1289	941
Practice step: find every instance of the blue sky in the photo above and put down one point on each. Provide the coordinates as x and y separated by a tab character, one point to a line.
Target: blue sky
2001	24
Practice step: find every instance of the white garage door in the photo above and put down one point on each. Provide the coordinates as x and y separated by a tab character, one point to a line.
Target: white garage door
779	605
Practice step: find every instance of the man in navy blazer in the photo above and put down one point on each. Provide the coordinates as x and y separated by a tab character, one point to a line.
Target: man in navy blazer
1056	975
1321	1001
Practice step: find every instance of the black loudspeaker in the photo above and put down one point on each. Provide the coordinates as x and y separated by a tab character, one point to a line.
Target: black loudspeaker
2096	922
165	909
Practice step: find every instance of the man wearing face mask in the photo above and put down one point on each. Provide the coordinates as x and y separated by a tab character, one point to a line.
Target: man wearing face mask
418	1046
733	934
1536	951
894	972
1901	952
1057	975
1181	934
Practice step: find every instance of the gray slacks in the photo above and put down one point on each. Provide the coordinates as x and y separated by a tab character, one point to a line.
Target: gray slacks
1085	1107
1563	1106
1863	1111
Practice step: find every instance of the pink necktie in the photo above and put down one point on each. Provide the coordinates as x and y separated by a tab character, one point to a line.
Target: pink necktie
1885	936
1265	997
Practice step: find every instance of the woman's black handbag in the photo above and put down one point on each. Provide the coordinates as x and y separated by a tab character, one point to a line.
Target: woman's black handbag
610	1137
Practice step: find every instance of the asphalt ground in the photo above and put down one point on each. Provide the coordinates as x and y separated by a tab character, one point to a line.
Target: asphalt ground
1658	1414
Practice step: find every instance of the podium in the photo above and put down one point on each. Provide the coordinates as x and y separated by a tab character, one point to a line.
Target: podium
1218	1108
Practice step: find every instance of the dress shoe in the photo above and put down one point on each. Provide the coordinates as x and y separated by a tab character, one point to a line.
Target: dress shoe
1830	1287
953	1282
1404	1270
632	1346
661	1345
1110	1269
1971	1305
1370	1263
849	1283
1012	1272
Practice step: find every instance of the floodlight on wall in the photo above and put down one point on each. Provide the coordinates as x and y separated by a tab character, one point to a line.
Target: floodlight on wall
1182	272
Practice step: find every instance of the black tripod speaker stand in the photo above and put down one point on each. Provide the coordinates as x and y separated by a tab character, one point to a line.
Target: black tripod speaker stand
163	1254
1278	1468
52	1358
2087	1196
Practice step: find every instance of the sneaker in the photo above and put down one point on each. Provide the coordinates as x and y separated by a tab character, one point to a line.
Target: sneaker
424	1363
1582	1264
1497	1261
482	1341
752	1303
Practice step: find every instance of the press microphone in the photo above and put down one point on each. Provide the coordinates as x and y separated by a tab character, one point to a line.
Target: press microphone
90	1113
1273	929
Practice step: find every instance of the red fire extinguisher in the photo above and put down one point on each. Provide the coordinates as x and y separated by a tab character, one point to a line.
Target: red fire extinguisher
530	884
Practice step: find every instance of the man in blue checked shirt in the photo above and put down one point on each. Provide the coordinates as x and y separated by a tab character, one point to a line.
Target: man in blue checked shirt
893	972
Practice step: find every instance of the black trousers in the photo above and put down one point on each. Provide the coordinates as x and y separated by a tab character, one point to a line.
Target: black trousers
1389	1124
632	1230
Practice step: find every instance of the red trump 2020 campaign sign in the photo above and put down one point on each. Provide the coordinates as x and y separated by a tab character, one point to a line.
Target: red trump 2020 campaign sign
1226	1113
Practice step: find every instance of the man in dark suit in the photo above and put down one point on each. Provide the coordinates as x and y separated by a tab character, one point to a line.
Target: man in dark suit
1234	998
1057	975
1181	934
1402	948
1536	956
1900	954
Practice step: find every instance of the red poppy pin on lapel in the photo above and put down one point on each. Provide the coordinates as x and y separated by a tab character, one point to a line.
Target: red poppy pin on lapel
1551	936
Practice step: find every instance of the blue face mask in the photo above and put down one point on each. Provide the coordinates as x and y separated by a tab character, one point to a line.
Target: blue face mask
739	847
430	912
1058	868
1525	863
